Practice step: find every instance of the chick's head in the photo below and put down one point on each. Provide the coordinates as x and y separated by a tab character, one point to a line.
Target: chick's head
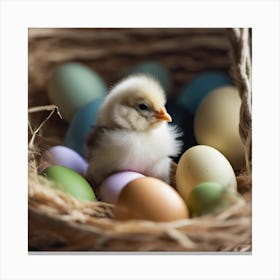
136	103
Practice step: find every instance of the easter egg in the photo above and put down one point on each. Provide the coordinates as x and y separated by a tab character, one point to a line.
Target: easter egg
193	92
60	155
72	86
203	164
81	126
154	69
216	124
210	198
148	198
70	182
111	187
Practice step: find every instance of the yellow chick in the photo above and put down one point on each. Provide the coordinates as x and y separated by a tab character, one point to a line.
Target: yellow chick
131	132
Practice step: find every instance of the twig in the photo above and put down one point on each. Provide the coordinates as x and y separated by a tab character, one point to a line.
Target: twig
51	108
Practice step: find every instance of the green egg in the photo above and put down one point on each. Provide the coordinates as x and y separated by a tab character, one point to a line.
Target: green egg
156	70
72	86
210	198
70	182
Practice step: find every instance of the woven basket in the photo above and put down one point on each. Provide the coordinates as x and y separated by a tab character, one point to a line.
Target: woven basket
58	222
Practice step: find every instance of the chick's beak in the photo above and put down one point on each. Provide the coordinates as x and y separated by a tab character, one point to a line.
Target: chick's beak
163	115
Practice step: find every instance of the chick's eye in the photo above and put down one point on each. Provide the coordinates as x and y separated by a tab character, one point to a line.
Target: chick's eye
143	107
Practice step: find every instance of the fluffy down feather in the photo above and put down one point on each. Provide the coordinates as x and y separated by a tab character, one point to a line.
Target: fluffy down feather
132	133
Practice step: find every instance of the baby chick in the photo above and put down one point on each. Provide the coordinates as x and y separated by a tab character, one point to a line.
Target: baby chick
131	132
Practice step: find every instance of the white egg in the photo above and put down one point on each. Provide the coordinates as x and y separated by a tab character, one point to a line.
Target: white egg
203	164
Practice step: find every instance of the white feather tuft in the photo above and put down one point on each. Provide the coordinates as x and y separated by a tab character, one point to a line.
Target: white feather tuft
127	139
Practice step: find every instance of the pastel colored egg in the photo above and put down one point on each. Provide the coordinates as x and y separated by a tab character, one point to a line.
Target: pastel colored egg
70	182
72	86
111	187
81	125
210	198
216	124
61	155
148	198
193	92
203	164
154	69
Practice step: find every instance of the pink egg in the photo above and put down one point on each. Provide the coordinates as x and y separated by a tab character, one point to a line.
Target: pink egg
111	187
60	155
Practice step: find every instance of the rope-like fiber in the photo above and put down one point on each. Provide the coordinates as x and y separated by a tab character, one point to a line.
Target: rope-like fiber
241	67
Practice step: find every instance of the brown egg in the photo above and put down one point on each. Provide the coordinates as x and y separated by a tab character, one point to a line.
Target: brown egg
148	198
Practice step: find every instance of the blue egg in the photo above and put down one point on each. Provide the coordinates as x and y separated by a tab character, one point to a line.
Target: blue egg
81	126
198	88
156	70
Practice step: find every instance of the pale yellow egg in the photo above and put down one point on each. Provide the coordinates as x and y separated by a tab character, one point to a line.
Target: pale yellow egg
203	164
216	124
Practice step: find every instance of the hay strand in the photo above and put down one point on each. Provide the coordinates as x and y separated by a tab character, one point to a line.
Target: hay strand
51	108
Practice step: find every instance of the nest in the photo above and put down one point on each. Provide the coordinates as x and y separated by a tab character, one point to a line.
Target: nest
59	222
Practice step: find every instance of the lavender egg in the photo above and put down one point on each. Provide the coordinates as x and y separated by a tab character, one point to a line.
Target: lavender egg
63	156
112	185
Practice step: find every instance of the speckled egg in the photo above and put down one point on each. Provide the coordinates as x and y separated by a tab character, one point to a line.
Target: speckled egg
72	86
203	164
